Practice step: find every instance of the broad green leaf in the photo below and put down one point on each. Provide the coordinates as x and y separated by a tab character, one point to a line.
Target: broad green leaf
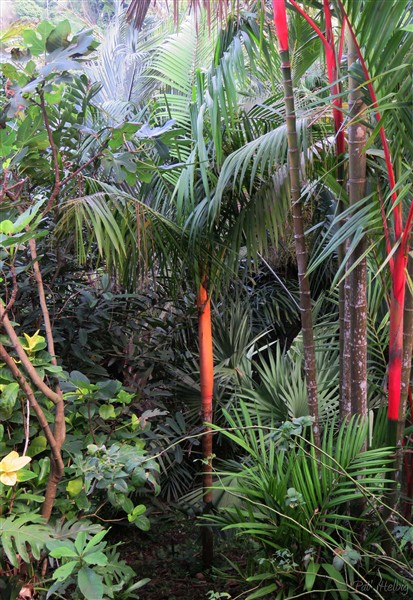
95	540
338	580
27	216
8	397
80	541
65	570
107	411
64	551
135	422
74	487
310	575
262	592
142	523
32	498
35	39
34	42
90	584
25	475
16	533
96	558
58	37
6	227
37	445
126	503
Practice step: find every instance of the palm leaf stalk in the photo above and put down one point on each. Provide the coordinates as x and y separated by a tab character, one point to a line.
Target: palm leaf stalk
407	351
405	386
281	27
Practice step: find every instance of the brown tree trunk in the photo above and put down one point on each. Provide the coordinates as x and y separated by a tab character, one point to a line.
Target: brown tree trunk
206	367
300	245
345	348
59	429
358	276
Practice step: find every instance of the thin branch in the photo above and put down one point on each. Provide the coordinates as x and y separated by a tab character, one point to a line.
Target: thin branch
34	376
80	169
14	290
43	303
25	387
26	426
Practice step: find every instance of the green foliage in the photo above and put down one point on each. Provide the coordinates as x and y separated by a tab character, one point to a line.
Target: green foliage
93	567
31	9
183	137
17	531
286	490
119	471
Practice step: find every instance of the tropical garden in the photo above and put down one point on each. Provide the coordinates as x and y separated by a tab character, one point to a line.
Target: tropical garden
206	317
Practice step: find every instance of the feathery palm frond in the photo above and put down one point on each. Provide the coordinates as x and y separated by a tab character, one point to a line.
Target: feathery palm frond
120	67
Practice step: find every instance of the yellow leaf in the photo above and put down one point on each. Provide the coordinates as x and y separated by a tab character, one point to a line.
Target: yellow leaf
32	340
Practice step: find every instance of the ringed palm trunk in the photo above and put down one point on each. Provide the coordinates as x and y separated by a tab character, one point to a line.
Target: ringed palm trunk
358	276
206	367
344	287
280	19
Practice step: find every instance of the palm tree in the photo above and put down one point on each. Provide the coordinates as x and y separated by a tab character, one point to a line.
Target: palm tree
206	207
183	220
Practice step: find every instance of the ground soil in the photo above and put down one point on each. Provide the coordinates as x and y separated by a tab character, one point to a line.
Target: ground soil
170	556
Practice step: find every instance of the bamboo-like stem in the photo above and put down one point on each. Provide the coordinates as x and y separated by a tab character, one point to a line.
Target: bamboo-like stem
332	60
397	262
358	276
280	19
397	212
206	367
344	295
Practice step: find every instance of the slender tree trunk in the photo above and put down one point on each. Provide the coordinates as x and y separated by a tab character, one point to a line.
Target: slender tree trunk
344	286
280	19
358	276
407	354
345	350
332	61
59	428
405	382
206	364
